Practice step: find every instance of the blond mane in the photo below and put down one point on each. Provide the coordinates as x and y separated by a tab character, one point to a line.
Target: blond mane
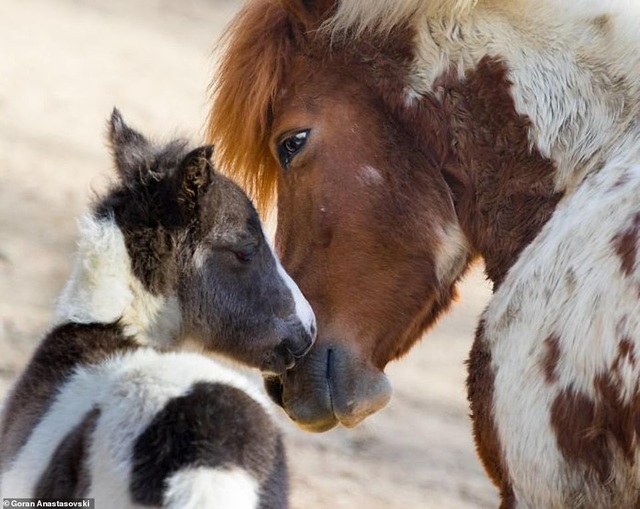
383	15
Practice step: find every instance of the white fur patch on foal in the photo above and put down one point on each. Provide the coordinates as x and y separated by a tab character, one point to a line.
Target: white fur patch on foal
196	488
303	309
102	287
129	390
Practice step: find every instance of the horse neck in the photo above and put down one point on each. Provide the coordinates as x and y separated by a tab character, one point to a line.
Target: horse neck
536	96
103	289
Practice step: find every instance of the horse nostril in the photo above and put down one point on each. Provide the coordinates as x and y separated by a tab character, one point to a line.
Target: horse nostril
329	369
313	330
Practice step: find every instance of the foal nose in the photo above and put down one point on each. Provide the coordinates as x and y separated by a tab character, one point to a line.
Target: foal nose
297	341
298	346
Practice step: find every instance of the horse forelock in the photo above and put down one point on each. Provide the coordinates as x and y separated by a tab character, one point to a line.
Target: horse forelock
257	52
256	49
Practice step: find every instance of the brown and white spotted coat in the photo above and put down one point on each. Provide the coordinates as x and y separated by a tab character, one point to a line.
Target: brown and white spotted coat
530	112
554	383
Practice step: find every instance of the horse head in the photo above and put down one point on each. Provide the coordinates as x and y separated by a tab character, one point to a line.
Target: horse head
366	220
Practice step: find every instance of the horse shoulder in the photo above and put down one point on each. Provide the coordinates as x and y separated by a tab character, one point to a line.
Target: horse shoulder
562	334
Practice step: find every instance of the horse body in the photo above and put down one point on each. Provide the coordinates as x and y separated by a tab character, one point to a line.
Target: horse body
560	336
558	330
442	131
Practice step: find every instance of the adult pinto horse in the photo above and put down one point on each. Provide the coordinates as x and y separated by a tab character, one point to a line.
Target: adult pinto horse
405	138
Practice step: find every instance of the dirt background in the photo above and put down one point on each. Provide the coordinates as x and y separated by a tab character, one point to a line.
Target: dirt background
64	64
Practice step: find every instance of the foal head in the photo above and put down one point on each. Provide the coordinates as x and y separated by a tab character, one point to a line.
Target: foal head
193	235
366	221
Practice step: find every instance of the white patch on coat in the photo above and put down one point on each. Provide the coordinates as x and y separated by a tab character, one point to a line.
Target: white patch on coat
451	254
196	488
575	69
200	257
411	97
102	288
567	283
129	390
370	176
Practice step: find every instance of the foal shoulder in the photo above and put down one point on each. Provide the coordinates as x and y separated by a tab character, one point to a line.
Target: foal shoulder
61	352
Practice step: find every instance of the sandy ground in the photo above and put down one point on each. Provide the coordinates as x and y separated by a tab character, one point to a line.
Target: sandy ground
63	65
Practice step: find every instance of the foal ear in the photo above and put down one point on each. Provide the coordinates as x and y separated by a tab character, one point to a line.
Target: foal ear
194	176
128	147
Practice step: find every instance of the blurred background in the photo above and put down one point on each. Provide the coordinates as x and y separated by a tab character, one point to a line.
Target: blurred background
64	64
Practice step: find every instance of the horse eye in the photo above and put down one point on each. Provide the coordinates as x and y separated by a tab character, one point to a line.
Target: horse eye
291	145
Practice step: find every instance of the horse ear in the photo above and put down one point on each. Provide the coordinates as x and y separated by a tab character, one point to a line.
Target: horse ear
128	147
194	176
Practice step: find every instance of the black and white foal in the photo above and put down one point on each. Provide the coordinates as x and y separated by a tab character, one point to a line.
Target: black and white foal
107	408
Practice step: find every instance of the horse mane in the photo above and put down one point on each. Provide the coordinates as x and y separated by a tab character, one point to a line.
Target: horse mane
256	47
383	15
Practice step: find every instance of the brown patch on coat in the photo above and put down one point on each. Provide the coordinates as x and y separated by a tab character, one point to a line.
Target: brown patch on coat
504	190
67	475
574	419
602	24
551	358
480	393
621	181
625	244
626	352
589	430
62	350
571	281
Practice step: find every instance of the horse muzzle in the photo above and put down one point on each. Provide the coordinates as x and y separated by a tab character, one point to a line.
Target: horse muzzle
330	386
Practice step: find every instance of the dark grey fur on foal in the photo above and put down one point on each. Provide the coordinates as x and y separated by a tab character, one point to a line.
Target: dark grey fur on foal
192	232
107	408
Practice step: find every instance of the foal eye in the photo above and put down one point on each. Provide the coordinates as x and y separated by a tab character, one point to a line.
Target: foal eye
245	254
291	145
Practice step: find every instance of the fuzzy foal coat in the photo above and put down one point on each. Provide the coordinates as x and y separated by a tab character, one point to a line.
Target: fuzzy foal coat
98	414
104	410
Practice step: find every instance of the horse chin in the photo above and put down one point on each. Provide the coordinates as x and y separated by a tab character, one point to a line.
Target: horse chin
330	386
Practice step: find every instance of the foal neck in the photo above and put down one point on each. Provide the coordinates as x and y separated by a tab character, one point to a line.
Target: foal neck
103	289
